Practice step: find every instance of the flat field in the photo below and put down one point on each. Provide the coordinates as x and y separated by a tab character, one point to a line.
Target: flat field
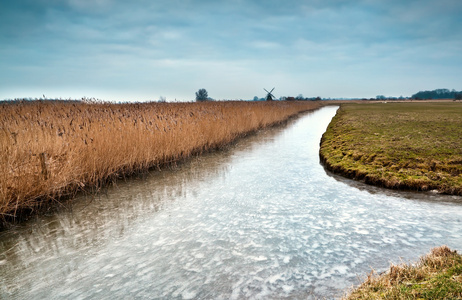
50	149
415	146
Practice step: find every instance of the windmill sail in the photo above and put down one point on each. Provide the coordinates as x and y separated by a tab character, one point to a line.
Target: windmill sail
269	96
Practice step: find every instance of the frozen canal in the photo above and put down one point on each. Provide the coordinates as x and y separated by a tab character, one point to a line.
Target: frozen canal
262	220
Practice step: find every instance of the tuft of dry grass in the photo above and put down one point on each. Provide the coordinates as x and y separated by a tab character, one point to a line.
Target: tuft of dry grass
413	146
438	275
50	149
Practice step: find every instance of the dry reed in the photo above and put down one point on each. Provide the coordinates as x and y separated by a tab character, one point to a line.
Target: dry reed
437	275
55	148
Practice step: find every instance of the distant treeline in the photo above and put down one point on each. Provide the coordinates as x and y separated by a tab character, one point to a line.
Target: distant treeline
438	94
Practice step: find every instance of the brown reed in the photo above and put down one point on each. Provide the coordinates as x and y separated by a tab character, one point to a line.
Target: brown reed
437	275
54	148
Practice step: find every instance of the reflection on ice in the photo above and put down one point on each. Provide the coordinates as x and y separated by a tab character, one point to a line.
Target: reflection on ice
261	220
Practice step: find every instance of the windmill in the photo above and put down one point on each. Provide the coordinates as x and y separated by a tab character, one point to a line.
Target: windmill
269	96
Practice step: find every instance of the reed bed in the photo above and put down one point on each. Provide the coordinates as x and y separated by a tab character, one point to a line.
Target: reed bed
51	149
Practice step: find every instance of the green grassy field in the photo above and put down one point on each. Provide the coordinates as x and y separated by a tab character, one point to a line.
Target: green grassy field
415	146
438	275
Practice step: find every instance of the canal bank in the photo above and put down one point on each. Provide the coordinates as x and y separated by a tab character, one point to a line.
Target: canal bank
50	150
405	146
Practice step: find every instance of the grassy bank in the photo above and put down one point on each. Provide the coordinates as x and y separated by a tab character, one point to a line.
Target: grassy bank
51	149
438	275
415	146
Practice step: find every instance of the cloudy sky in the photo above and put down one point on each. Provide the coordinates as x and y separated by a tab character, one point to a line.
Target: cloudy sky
143	49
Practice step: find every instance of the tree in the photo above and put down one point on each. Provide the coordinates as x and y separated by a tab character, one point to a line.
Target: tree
436	94
202	95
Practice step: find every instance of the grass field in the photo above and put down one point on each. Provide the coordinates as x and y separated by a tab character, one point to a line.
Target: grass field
415	146
51	149
438	275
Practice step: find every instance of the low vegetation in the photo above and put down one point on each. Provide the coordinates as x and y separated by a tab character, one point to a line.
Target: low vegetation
438	275
415	146
51	149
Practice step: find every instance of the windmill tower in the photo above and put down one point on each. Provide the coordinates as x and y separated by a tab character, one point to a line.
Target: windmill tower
269	96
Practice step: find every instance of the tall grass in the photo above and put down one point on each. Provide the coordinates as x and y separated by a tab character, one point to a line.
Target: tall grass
437	275
54	148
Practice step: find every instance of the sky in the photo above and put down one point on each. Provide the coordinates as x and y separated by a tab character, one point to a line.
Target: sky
141	50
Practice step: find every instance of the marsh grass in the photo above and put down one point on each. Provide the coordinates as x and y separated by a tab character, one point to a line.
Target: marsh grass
51	149
415	146
438	275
